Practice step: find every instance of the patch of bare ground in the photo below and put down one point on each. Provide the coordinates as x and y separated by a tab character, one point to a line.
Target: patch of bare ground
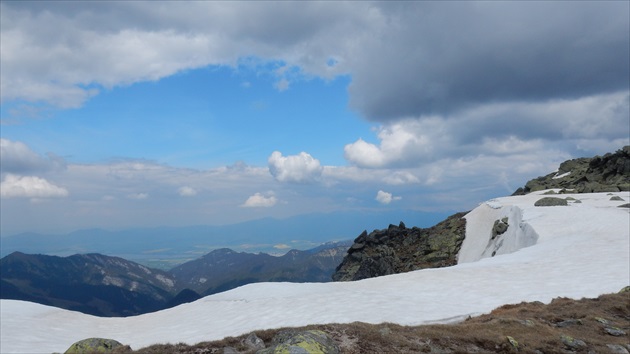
598	325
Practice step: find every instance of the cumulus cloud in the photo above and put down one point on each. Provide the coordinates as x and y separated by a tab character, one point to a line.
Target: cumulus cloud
260	200
385	197
301	168
501	129
158	40
187	191
14	186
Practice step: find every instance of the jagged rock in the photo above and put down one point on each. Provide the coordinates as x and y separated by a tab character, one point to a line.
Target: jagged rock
301	342
608	173
93	345
252	341
399	249
617	198
499	227
551	201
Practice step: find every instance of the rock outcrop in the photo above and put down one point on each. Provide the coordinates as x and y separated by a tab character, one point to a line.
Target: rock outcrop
96	345
608	173
309	341
399	249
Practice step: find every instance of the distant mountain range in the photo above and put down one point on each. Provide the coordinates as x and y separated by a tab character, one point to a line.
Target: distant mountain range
112	286
165	247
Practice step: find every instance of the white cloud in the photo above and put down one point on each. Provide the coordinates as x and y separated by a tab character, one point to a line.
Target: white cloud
187	191
281	246
301	168
282	84
260	200
385	197
138	196
158	41
14	186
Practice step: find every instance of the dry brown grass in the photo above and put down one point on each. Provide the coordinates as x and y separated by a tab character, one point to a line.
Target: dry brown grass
537	328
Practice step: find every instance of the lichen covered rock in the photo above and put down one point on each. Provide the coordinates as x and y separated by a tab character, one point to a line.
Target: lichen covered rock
551	201
93	345
301	342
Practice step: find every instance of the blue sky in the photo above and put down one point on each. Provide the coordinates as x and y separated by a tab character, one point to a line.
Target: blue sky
142	114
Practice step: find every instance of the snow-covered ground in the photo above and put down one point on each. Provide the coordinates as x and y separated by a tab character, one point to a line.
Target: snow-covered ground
580	250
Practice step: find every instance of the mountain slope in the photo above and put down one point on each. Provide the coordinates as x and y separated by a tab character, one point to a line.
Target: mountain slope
396	250
225	269
581	250
111	286
90	283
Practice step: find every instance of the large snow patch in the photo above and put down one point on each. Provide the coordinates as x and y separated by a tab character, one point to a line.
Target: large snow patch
581	250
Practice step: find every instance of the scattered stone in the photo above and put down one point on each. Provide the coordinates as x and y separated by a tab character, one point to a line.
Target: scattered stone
551	201
572	342
550	192
230	350
568	323
253	342
617	198
627	205
528	323
602	320
577	201
513	342
93	345
614	331
570	198
618	349
301	342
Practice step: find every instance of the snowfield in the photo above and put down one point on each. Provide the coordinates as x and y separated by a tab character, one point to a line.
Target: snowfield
579	250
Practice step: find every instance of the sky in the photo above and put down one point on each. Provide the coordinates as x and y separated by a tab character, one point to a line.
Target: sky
140	114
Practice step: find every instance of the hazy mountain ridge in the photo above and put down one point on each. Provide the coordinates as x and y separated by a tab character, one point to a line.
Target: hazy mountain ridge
188	243
111	286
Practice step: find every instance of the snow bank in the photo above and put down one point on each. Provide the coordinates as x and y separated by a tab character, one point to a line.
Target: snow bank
581	250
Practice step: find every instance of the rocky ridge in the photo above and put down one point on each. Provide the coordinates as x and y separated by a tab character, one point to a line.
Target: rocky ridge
399	249
608	173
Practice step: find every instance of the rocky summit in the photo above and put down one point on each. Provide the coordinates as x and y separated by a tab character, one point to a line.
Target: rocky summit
608	173
399	249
